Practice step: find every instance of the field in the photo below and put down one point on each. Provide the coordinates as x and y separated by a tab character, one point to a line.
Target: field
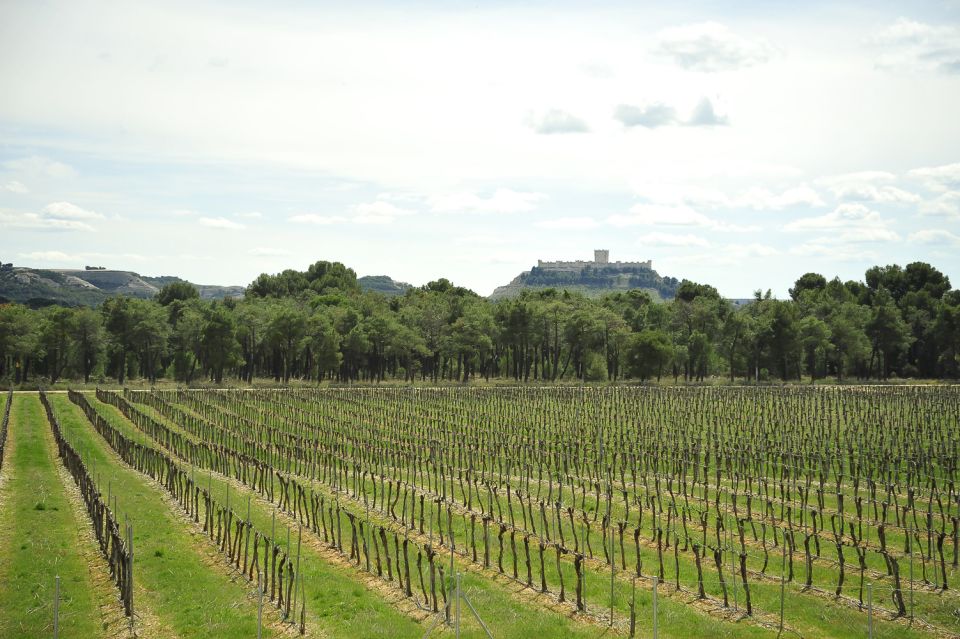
554	512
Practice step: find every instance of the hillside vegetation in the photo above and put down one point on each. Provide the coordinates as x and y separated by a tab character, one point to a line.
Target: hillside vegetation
69	287
592	281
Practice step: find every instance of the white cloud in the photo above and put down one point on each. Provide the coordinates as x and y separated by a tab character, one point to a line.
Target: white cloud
833	252
873	193
910	46
56	216
377	212
318	220
728	255
939	178
60	256
755	198
35	222
935	236
40	166
711	47
849	226
680	215
67	211
867	186
762	199
265	251
649	214
220	223
571	223
847	239
673	194
672	239
705	115
866	235
856	177
946	204
650	116
845	216
556	121
13	186
753	249
48	256
500	201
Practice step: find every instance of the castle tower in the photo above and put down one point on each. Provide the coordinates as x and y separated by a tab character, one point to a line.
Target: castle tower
601	256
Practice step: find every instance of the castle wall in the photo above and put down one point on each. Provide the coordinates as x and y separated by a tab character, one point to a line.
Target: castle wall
579	265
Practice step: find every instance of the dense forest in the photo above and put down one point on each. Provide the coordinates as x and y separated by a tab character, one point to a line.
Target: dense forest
319	325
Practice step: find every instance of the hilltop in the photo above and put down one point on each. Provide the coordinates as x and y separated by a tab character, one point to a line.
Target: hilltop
383	284
592	278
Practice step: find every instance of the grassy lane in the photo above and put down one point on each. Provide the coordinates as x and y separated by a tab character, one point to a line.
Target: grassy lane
176	573
38	537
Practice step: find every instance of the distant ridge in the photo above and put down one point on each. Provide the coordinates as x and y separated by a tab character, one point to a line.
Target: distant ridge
383	284
38	287
75	287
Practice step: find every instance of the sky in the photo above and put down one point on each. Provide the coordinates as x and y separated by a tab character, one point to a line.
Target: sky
739	145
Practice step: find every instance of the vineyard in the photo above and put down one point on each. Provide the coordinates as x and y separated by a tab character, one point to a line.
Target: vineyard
505	512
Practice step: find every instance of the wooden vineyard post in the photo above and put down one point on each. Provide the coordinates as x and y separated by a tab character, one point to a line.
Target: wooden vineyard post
582	583
656	626
458	607
56	607
130	572
910	546
297	573
729	535
303	607
783	568
286	560
246	549
260	608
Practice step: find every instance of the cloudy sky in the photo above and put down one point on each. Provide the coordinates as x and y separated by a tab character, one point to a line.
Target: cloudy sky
466	140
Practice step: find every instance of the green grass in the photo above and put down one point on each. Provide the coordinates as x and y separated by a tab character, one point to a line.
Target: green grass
173	577
38	537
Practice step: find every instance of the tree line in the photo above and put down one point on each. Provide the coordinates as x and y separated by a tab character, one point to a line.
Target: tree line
319	325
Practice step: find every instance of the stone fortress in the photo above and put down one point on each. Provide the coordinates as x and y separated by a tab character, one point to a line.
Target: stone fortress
601	259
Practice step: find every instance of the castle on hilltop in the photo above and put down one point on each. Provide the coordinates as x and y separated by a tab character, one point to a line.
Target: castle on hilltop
601	259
